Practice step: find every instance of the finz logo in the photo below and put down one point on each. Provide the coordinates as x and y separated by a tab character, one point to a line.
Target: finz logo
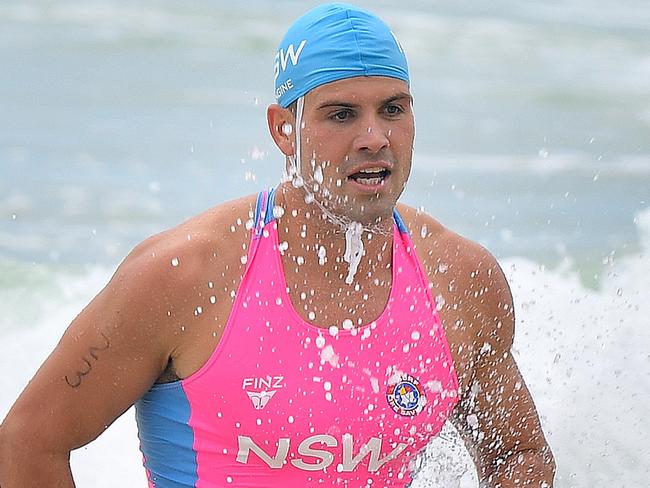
406	396
263	389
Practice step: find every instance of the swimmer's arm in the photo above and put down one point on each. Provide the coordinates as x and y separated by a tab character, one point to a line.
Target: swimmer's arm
108	357
497	417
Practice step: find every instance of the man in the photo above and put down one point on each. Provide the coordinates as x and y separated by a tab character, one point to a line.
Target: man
292	338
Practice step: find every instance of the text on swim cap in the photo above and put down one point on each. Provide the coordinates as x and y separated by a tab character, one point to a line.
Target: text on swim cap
282	57
284	88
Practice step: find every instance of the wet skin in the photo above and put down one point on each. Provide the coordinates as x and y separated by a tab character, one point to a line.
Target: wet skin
147	316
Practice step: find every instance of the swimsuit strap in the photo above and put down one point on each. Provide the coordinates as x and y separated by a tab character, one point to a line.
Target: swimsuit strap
263	211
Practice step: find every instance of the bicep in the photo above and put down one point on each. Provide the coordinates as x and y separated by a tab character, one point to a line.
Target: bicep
497	416
107	359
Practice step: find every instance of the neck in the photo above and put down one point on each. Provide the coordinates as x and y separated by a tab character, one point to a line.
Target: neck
316	238
299	201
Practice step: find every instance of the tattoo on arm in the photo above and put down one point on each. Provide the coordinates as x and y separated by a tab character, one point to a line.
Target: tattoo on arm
74	380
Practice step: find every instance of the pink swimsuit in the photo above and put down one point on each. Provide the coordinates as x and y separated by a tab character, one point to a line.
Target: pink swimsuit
282	402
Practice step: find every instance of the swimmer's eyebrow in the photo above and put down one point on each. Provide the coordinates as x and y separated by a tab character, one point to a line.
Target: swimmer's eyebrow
399	96
345	104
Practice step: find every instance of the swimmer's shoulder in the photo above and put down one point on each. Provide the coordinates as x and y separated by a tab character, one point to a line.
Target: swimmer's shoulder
170	269
215	235
465	274
437	244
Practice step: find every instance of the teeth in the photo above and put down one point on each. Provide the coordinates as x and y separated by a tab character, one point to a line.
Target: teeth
369	181
372	170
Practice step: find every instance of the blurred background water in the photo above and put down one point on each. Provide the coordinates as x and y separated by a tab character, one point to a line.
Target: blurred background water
120	119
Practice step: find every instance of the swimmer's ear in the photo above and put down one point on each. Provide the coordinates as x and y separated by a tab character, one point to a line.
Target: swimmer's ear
281	126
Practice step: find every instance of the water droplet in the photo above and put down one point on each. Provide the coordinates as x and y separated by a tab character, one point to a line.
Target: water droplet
334	330
348	324
415	335
320	342
327	355
318	174
175	262
298	182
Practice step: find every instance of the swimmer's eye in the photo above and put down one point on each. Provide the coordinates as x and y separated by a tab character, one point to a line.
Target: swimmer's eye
341	115
393	110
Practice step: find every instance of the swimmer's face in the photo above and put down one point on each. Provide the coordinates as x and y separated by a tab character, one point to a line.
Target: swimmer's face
358	133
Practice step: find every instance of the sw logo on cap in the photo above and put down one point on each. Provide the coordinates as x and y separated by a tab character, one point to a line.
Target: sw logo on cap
282	58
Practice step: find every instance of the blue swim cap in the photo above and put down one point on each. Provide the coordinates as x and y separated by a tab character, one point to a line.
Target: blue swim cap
332	42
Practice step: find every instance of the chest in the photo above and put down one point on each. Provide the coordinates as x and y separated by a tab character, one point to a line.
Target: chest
278	388
323	298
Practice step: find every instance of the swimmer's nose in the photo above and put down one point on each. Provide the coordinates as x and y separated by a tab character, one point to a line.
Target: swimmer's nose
373	137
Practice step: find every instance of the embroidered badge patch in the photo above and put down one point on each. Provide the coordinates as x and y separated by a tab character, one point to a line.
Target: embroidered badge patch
406	396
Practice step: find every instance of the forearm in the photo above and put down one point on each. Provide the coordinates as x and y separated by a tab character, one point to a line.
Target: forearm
529	469
50	471
24	463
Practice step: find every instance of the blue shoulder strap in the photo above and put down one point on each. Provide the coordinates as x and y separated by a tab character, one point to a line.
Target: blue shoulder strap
400	223
263	210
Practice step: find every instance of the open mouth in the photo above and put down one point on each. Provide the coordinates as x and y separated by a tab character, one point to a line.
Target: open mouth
370	176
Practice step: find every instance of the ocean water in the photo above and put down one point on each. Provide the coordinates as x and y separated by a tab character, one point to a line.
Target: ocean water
121	119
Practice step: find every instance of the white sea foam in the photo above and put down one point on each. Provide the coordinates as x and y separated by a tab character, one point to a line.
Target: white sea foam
583	353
